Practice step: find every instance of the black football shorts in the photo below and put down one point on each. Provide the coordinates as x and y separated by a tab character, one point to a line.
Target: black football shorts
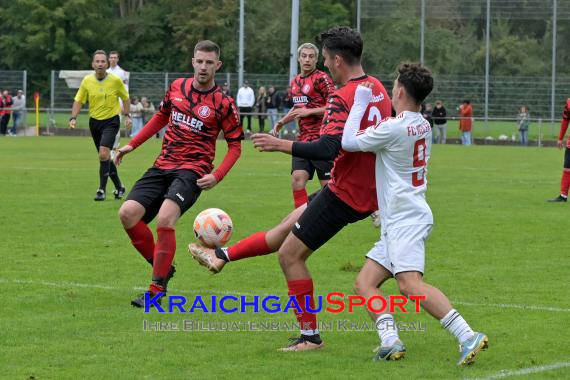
156	185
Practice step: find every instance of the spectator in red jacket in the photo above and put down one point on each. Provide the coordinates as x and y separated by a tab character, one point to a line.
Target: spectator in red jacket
466	122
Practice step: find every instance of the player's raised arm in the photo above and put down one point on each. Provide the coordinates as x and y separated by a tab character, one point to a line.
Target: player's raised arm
362	98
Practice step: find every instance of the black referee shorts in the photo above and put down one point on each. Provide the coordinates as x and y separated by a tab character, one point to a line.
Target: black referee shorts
156	185
104	131
324	217
323	168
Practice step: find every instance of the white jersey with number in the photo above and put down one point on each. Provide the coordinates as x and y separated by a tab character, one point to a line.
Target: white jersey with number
402	145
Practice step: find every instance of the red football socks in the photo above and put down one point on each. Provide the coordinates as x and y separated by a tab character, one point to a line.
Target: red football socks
142	240
300	197
565	183
299	289
251	246
164	253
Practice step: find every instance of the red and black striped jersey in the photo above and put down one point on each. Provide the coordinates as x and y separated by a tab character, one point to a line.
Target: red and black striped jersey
195	121
352	176
311	91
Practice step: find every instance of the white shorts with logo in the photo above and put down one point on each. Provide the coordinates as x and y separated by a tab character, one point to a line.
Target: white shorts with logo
402	249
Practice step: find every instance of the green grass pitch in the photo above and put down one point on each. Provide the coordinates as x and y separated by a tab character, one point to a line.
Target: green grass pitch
68	272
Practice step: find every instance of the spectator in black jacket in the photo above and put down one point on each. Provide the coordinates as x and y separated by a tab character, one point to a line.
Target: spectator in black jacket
439	116
272	103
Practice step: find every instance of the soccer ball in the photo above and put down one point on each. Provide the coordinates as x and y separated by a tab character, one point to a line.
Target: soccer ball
213	227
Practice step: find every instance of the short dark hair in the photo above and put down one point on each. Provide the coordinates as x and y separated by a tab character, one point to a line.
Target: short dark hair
343	41
114	52
416	79
207	45
100	52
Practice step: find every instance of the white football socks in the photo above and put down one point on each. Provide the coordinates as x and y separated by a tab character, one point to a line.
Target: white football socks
387	330
455	324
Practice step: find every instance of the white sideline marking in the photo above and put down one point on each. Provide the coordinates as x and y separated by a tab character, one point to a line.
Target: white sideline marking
525	371
107	287
194	291
49	168
514	306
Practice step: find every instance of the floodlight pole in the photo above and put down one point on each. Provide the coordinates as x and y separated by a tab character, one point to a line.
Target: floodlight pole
294	39
241	38
422	31
487	52
553	83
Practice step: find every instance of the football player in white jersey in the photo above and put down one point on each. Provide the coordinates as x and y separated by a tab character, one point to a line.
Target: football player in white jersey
402	145
115	69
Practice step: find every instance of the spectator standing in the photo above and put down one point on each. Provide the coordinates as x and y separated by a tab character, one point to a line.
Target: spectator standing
288	104
273	102
148	109
261	107
226	90
137	110
18	109
439	116
427	111
245	101
466	121
148	113
6	111
523	121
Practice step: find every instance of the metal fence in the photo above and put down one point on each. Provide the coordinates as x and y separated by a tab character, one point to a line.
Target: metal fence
492	95
506	94
13	80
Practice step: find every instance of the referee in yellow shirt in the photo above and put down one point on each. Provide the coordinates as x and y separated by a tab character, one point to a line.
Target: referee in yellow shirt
103	90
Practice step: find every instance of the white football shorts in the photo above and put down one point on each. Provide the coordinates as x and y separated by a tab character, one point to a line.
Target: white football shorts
402	249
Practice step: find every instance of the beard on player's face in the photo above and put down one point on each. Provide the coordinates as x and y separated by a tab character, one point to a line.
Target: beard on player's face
204	78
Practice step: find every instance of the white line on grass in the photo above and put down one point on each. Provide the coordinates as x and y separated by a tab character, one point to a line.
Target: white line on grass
43	168
72	285
194	291
514	306
525	371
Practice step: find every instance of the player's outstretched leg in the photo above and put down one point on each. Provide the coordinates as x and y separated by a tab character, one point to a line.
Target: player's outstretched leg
437	304
258	244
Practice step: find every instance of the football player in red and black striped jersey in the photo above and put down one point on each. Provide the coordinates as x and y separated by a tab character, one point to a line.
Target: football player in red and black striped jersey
310	91
194	110
565	181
